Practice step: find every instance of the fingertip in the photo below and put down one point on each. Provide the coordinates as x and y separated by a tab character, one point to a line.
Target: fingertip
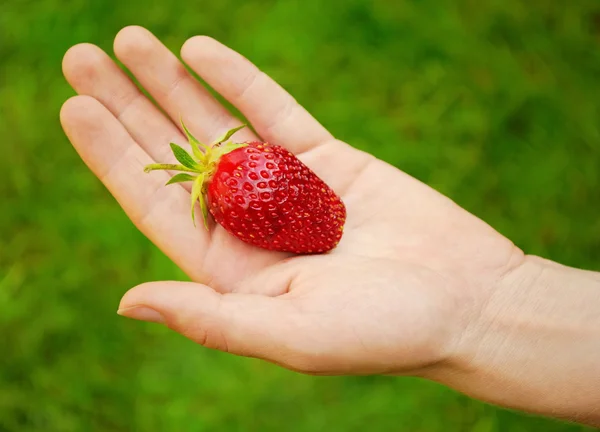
134	41
82	61
67	108
139	293
78	109
142	313
199	46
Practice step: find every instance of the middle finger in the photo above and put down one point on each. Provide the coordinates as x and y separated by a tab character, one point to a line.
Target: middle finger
173	87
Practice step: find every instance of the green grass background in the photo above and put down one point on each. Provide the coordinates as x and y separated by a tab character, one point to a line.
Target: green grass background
495	103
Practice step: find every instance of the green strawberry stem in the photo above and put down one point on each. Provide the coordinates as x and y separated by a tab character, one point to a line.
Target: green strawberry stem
203	163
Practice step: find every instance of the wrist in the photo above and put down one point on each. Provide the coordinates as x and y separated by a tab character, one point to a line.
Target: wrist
534	344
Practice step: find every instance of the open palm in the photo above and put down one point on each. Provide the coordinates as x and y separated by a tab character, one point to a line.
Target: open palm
396	295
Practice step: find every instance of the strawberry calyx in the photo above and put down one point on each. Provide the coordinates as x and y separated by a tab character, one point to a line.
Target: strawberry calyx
198	167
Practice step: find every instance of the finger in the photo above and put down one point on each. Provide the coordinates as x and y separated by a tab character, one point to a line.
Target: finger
173	87
161	213
242	324
274	113
90	71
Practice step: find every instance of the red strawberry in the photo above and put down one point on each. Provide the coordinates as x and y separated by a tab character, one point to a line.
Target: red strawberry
261	193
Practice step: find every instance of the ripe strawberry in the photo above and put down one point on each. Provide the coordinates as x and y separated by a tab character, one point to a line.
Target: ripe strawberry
261	193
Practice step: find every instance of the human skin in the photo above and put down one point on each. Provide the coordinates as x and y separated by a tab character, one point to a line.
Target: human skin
418	286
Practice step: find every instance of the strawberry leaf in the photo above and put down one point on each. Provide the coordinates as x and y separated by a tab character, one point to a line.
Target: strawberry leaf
180	178
196	145
197	195
183	157
196	151
230	133
204	209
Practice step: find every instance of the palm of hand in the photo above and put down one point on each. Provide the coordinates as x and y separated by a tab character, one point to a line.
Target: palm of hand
394	296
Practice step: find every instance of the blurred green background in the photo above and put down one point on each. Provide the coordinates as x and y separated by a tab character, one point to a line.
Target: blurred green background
495	103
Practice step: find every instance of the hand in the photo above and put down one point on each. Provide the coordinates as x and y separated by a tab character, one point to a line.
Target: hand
412	271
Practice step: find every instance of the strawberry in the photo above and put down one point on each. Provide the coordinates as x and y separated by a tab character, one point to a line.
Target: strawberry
260	193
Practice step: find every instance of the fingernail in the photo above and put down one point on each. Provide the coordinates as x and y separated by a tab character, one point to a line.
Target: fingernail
142	313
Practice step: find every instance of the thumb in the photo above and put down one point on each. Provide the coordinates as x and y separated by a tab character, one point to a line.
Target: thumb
244	324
